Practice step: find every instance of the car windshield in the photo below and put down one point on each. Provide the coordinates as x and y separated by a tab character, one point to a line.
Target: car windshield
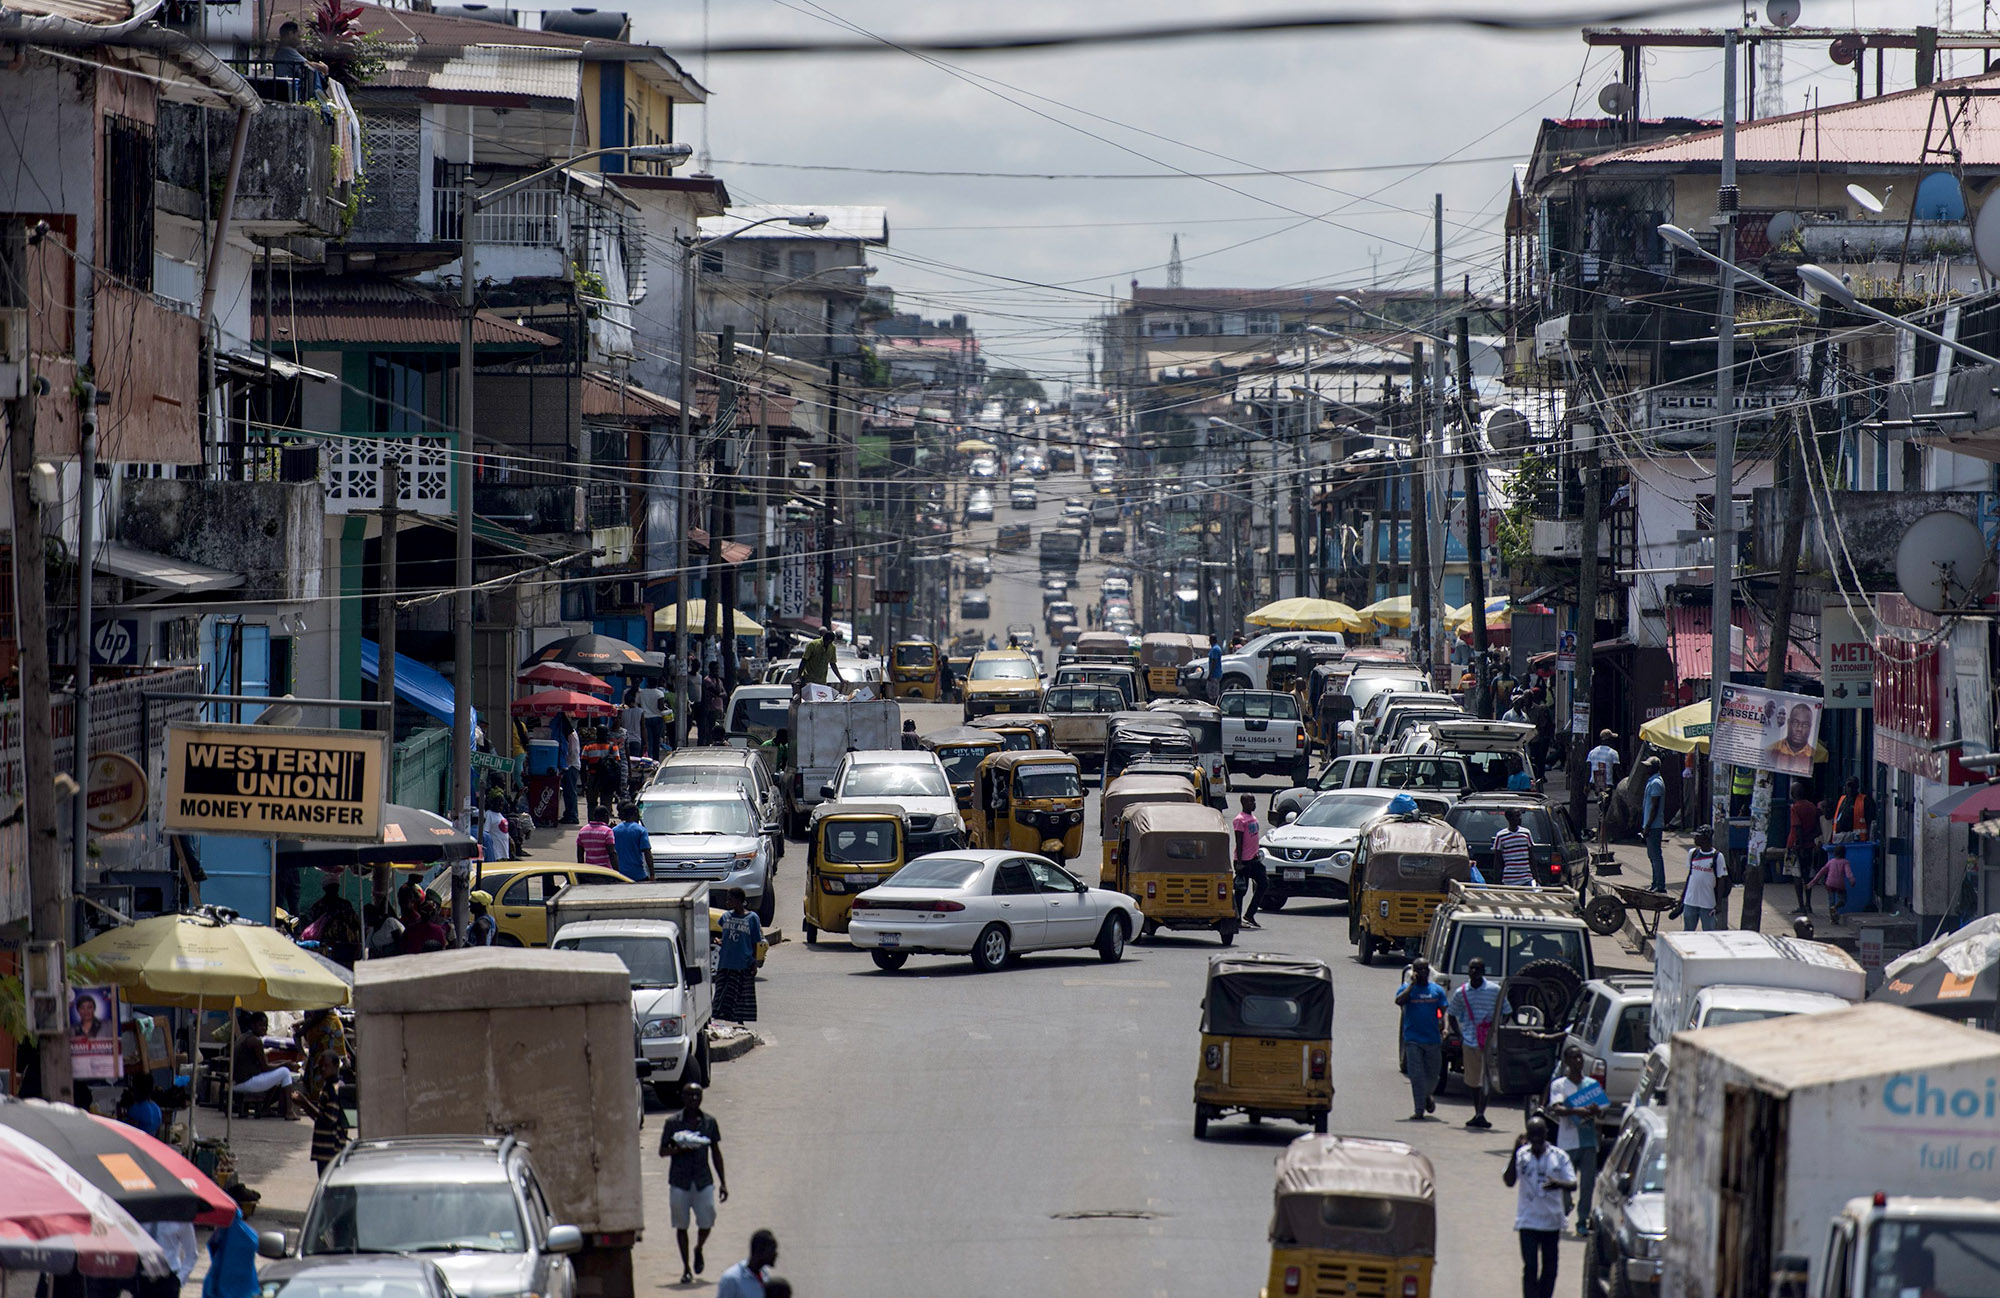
1653	1172
1722	1018
1420	773
859	842
915	655
1478	825
894	780
961	764
717	816
1342	811
1260	707
1527	945
768	713
1363	689
1048	781
1931	1256
1085	698
415	1217
1003	669
650	960
935	872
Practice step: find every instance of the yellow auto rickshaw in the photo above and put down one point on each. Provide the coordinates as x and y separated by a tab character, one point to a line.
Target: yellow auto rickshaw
851	847
1029	802
1021	730
1124	794
914	670
1163	654
1174	861
961	749
1266	1041
1403	867
1107	646
1351	1215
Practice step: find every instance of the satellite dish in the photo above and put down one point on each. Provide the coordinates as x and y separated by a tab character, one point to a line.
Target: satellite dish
1614	98
1507	429
1782	13
1943	563
1845	49
1865	200
1781	227
1986	237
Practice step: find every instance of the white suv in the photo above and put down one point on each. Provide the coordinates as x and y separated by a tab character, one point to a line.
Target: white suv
1249	667
914	781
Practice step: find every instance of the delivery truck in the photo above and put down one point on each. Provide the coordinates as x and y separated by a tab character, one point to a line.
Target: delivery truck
533	1044
660	932
822	734
1778	1125
1712	979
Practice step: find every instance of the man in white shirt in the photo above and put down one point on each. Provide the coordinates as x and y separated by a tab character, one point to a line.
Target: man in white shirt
1603	761
1539	1173
652	718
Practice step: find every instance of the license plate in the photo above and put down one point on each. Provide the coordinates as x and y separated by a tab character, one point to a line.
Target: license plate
892	939
863	880
1293	874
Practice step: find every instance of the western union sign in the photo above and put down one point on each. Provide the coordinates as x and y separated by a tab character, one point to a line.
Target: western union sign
276	781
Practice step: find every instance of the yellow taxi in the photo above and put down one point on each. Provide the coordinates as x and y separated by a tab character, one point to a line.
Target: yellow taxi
1001	680
521	891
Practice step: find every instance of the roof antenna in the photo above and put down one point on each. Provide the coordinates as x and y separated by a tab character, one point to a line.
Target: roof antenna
1176	277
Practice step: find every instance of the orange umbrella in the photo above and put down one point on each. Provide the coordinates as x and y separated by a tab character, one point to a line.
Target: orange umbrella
547	703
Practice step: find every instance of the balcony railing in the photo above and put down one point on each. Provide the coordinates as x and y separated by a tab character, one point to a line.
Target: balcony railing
352	468
543	215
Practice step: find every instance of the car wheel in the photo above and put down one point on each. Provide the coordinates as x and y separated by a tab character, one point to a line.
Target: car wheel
889	961
1319	1124
1616	1283
1593	1282
992	948
1226	930
1111	942
1200	1122
506	939
1236	682
767	905
1273	900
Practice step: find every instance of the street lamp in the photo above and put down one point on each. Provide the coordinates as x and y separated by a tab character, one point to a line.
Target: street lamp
461	708
1830	285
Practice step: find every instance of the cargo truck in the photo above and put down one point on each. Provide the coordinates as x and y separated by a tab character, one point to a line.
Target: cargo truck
660	932
1779	1125
1061	550
1711	979
534	1044
822	734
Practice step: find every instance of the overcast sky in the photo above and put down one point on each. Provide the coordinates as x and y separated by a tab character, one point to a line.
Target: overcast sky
1032	261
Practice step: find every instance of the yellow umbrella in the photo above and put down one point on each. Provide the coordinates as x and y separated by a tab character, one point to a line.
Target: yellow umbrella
1309	615
1685	730
1393	611
972	446
697	617
1499	615
194	960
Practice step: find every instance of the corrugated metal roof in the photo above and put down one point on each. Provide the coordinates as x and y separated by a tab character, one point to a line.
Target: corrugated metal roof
534	72
352	309
608	399
98	12
1885	131
843	222
1692	644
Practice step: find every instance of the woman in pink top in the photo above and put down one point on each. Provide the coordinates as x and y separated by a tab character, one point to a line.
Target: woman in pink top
596	844
1251	877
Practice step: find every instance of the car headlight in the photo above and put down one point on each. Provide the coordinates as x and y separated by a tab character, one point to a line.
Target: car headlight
747	858
670	1026
949	823
1643	1246
1343	858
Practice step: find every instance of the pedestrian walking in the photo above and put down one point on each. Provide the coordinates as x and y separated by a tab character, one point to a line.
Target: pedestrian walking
320	1097
1543	718
910	743
747	1278
1214	668
652	719
1602	763
691	1141
1514	850
1423	1004
1836	876
1576	1102
1802	844
1653	822
482	929
1251	877
632	718
632	844
569	762
1475	1005
595	844
1701	891
736	964
1690	789
1538	1173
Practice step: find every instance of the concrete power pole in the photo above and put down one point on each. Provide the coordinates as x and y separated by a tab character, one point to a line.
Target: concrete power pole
1723	577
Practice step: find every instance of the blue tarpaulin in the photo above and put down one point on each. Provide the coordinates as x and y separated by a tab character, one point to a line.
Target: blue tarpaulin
416	684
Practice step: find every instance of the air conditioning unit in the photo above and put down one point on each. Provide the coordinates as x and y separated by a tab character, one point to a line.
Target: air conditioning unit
1557	538
13	352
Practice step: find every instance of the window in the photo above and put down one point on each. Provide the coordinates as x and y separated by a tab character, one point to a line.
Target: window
1527	945
1271	1013
1481	941
1187	849
799	264
128	201
1595	1022
1635	1031
711	261
1013	880
1049	878
530	890
722	816
767	259
894	780
1261	322
860	843
936	872
1048	781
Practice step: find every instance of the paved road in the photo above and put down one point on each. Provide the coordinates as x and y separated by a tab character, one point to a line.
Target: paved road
1029	1132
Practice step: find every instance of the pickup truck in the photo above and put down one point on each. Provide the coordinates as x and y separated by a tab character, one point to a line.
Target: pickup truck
1248	668
660	932
1080	716
1263	734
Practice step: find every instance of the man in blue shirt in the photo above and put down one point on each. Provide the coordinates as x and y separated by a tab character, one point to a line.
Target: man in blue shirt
634	846
1214	668
746	1278
1653	821
1423	1003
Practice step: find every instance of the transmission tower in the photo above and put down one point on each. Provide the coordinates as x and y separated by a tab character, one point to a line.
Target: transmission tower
1176	278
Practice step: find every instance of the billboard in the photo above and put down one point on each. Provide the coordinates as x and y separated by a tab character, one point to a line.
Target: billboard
1766	730
1846	657
276	781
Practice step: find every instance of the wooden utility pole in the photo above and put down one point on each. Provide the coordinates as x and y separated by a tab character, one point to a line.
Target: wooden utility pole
1421	648
726	398
1475	549
49	881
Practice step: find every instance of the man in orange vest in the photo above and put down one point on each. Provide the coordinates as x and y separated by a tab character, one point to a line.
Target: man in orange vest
1850	814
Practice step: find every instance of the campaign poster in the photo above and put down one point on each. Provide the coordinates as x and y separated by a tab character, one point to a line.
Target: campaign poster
1766	730
94	1050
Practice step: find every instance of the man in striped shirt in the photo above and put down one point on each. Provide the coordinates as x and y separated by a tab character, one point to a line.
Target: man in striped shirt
1514	849
596	844
1473	1005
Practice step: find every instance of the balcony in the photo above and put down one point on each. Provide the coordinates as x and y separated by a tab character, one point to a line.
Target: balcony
269	531
289	185
349	468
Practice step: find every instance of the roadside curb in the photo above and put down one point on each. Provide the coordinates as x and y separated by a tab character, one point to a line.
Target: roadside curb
725	1044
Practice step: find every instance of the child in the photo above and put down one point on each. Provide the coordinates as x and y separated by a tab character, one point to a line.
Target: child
1836	876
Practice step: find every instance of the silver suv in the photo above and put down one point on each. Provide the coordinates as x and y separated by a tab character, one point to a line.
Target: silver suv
1611	1023
472	1204
743	767
1628	1216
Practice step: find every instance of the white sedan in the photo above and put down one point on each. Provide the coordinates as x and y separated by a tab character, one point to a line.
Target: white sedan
988	905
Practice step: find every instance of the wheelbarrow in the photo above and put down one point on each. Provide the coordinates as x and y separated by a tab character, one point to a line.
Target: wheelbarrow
1606	911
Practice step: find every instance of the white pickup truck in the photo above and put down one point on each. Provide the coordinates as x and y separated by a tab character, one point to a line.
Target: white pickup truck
660	931
1249	667
1263	734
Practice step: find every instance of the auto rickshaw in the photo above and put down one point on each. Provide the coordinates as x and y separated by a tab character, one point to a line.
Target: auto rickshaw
1107	645
1174	861
1352	1215
1163	654
1021	730
1129	736
851	847
1129	792
961	749
1266	1041
1029	802
913	670
1403	867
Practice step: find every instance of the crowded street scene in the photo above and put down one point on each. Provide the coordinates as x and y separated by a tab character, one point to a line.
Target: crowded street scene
760	649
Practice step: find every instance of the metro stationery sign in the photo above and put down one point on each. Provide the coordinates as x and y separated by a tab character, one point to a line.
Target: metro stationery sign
276	781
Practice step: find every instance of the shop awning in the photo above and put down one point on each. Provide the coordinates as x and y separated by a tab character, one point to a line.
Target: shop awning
169	577
255	365
417	685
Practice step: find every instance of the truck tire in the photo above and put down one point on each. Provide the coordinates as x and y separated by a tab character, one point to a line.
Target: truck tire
1237	681
1549	985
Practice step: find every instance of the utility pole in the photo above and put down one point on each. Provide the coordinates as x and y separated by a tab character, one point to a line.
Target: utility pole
49	878
683	485
1592	435
1475	550
1301	445
461	599
1723	575
86	553
1436	549
1420	524
723	584
829	460
385	633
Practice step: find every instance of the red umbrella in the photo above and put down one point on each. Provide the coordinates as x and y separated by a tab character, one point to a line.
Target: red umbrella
563	676
547	703
131	1176
221	1208
51	1219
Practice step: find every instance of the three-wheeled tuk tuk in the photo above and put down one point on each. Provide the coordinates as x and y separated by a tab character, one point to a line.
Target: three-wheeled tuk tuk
1107	646
1129	736
961	749
1403	867
1020	730
1352	1216
1266	1040
1163	654
1122	795
1029	802
850	847
914	670
1174	861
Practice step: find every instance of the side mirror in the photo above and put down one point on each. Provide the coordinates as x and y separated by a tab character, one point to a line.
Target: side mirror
1284	817
826	790
696	975
564	1239
271	1244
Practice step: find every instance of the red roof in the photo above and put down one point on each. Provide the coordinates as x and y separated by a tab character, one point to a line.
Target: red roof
1693	645
733	552
606	398
355	309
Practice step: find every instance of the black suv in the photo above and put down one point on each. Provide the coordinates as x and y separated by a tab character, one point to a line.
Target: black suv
1559	854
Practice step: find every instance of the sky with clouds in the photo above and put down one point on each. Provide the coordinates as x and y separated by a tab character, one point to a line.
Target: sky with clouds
1033	261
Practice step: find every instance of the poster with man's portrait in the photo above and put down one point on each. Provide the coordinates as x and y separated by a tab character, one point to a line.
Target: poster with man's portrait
1766	730
94	1049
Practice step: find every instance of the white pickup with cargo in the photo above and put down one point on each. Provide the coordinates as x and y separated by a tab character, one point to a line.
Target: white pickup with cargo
660	931
1262	734
822	734
1710	979
1779	1125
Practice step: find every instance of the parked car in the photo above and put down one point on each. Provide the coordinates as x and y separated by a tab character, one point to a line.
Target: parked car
1627	1231
1559	855
1611	1023
988	905
521	891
